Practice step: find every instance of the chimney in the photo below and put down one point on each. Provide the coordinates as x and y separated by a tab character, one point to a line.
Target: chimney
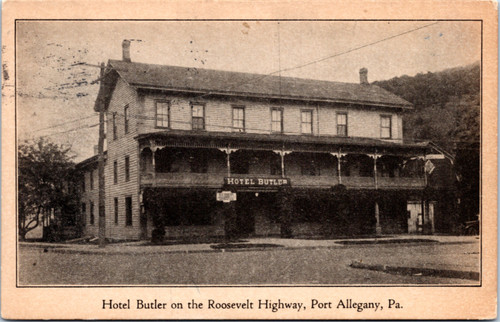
363	76
126	50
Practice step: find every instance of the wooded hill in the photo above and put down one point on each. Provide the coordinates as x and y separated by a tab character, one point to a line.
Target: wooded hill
447	105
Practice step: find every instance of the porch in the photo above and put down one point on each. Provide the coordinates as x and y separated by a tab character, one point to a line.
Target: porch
187	167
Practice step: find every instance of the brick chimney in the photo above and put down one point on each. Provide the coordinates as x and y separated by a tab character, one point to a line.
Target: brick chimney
126	50
363	76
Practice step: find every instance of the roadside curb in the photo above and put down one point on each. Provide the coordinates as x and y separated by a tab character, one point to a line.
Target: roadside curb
411	271
56	249
67	249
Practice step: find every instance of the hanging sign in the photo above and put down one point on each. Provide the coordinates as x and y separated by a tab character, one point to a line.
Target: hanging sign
226	196
256	182
429	167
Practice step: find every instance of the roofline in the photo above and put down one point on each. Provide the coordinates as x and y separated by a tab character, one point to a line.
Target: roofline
407	105
91	160
284	137
447	154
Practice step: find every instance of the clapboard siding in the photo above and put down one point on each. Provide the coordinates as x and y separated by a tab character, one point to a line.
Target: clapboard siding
362	122
123	145
87	196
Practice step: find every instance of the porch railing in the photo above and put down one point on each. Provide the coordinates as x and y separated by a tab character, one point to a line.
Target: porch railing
216	180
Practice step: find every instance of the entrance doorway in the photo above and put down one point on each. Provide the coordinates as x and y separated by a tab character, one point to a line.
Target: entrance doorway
246	206
414	209
253	206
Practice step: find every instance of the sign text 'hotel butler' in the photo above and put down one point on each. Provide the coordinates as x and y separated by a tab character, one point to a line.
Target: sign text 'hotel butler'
256	182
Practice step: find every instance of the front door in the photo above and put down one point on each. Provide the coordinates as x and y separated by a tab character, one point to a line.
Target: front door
414	209
247	205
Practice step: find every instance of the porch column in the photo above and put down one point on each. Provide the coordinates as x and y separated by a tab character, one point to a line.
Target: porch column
375	156
153	162
339	155
378	228
154	147
282	154
228	152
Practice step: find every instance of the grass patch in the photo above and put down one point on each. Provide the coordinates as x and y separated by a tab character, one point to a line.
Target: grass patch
243	246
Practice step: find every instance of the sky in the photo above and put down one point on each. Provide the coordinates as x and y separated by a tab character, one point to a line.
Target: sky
56	97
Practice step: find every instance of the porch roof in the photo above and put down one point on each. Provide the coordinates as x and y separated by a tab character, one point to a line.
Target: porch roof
279	141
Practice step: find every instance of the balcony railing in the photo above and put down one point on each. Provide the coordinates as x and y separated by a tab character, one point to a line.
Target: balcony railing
216	180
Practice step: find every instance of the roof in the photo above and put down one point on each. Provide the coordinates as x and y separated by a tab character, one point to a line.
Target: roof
91	162
217	82
277	139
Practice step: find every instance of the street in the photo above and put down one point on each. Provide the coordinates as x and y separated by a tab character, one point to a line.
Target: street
271	266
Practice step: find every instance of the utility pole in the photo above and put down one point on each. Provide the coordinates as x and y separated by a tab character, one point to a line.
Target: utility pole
100	173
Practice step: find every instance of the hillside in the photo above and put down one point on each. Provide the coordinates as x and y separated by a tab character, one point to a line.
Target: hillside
447	105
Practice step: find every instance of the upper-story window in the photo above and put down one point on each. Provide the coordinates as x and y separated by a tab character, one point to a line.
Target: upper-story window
162	114
277	120
92	180
239	118
199	163
126	117
306	122
385	126
92	216
342	124
127	168
115	172
198	116
115	134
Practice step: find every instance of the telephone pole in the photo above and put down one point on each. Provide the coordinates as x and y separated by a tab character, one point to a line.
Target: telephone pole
100	173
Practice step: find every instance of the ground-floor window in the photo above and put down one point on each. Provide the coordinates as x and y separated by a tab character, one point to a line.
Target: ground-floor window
84	213
116	210
128	211
92	217
175	207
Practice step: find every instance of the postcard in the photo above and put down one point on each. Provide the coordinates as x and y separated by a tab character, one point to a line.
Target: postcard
239	160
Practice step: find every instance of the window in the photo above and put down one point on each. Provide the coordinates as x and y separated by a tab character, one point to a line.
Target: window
128	211
240	163
83	184
342	124
126	117
84	213
277	120
306	122
115	172
127	168
385	126
310	169
275	165
114	126
116	210
92	217
198	162
198	116
239	119
162	114
91	179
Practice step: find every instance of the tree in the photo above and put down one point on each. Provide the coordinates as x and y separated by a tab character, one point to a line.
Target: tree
46	176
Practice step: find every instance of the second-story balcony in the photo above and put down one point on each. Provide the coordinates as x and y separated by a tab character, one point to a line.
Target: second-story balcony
184	167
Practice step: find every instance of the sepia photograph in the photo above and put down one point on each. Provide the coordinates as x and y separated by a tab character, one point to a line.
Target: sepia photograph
248	152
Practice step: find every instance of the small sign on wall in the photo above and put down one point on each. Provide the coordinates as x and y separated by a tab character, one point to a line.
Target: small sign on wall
226	196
